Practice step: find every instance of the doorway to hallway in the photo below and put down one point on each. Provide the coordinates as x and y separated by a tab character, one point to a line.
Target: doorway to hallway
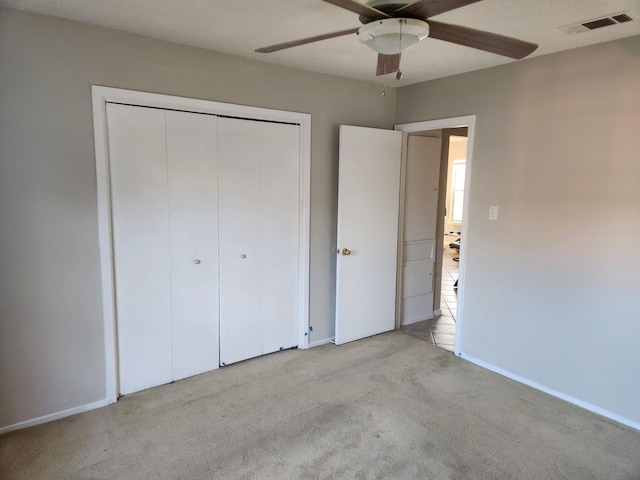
441	324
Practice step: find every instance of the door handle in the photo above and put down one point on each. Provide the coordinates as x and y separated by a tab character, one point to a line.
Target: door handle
346	252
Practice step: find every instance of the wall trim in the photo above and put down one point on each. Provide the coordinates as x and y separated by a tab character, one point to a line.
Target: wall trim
324	341
53	416
453	122
554	393
103	95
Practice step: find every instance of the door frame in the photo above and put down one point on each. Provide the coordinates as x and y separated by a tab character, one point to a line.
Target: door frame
453	122
100	97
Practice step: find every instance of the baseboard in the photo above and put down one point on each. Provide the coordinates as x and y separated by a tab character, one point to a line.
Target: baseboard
321	342
419	318
53	416
437	313
552	392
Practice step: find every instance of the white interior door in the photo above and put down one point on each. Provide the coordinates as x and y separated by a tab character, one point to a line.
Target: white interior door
422	177
259	201
138	173
193	224
368	204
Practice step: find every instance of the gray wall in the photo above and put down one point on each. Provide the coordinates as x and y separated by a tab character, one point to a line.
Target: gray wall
551	287
51	341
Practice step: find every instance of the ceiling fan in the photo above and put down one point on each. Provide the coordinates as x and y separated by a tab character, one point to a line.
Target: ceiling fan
391	26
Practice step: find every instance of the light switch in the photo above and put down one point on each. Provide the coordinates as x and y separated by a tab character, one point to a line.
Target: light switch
493	213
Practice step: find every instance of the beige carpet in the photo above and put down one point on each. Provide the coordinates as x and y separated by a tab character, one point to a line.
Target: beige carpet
391	406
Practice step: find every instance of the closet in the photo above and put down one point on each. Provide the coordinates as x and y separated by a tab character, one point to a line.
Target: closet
205	241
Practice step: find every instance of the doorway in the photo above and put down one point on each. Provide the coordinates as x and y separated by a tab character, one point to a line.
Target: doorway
442	323
451	216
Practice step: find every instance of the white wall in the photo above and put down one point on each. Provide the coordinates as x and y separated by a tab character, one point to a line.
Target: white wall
51	342
550	293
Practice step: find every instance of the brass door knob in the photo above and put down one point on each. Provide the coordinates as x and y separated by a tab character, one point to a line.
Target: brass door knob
346	251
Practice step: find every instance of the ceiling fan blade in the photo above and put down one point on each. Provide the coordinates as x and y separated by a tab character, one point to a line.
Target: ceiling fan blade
429	8
489	42
388	64
295	43
359	8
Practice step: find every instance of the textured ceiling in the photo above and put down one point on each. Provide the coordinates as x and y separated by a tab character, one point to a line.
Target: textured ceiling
240	26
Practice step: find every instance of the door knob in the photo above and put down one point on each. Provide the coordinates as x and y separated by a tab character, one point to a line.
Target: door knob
196	261
242	255
346	251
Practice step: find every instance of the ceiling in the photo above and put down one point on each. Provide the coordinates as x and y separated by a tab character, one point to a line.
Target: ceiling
240	26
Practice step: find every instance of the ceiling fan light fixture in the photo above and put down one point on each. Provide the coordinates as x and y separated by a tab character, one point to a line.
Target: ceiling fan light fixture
393	35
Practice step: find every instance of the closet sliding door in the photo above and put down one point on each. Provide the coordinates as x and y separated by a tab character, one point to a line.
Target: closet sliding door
258	224
205	215
193	235
163	171
139	206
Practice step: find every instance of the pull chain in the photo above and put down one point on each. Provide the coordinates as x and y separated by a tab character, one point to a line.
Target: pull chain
399	73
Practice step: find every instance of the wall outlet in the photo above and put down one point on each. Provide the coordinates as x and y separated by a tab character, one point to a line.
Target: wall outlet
493	213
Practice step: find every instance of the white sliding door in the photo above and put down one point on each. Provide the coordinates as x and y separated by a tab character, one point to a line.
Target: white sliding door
205	232
163	170
280	262
258	225
139	198
239	194
193	224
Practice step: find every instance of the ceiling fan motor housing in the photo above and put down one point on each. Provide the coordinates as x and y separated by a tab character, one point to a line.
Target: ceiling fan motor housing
391	36
387	6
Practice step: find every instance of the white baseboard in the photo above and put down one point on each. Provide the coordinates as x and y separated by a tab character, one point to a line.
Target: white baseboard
554	393
321	342
53	416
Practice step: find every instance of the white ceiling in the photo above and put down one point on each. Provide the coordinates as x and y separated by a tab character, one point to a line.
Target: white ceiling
240	26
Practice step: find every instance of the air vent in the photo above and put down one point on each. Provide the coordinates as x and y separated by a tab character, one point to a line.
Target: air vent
596	23
622	18
602	22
